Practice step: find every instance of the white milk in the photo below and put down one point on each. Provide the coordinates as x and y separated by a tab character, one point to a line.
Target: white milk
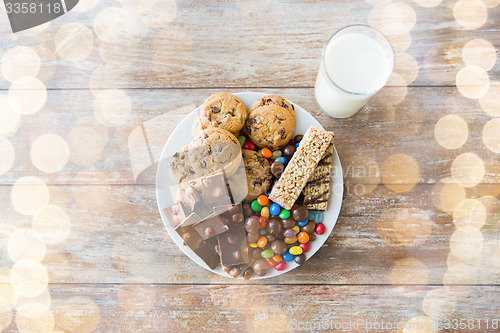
359	66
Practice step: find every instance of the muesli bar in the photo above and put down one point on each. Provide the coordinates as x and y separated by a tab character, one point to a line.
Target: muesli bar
317	190
301	167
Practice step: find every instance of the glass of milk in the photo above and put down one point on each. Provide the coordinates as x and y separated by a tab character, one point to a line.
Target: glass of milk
356	63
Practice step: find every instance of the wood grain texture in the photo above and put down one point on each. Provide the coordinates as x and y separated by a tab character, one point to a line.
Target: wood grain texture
268	44
144	307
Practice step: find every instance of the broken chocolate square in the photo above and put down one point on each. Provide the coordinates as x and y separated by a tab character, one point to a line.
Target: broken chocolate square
175	214
215	191
210	227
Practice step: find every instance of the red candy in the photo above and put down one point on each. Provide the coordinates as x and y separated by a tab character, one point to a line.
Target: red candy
262	222
320	228
249	145
280	266
305	246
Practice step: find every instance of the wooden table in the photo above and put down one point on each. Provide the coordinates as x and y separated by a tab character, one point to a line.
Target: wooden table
88	101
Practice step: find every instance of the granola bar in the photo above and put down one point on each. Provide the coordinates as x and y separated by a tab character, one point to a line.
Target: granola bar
317	190
301	167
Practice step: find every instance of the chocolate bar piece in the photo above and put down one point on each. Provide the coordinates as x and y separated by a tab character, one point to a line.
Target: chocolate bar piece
207	250
233	246
301	166
317	190
175	214
210	227
214	190
230	213
190	237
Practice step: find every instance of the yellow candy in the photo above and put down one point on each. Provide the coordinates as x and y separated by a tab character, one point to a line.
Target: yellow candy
265	212
290	240
295	250
297	229
253	244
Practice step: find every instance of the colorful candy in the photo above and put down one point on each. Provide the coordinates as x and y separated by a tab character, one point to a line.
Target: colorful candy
255	206
302	223
242	140
282	160
296	228
318	216
281	265
262	200
253	244
295	250
265	212
284	214
276	154
303	237
289	233
300	259
290	240
249	145
277	258
266	152
262	222
287	256
268	253
262	242
305	246
274	209
320	229
270	262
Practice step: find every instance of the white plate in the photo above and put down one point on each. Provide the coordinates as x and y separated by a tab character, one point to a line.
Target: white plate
181	136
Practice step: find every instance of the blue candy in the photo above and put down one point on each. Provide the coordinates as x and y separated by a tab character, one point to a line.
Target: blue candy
297	144
287	256
274	209
311	214
318	216
283	160
303	223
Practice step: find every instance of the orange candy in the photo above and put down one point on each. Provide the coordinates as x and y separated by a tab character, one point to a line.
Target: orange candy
270	262
277	258
262	241
303	237
266	153
262	200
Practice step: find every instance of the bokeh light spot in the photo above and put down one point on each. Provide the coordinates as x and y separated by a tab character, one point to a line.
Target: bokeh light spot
52	224
86	141
400	173
470	14
20	61
28	278
472	82
400	43
112	107
78	314
90	196
36	306
7	155
10	118
447	194
404	226
442	62
439	303
466	242
26	244
428	3
490	102
7	295
157	13
460	274
406	66
29	195
491	135
137	294
409	270
74	42
5	320
43	323
392	18
451	132
479	52
467	169
49	152
27	95
470	212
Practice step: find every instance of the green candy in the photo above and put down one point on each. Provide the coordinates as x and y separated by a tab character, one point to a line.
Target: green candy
266	254
256	207
242	140
284	214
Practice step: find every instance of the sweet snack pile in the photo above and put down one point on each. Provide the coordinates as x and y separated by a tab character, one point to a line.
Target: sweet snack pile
249	193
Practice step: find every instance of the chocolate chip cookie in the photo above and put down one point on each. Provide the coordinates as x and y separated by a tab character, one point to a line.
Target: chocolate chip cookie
270	126
225	111
273	99
258	174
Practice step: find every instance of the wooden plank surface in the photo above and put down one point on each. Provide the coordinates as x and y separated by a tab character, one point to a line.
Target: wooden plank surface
271	44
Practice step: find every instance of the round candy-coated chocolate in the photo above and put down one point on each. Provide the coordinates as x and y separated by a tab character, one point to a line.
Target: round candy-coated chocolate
252	225
274	225
278	247
312	237
288	223
277	169
297	144
284	214
318	216
253	238
266	152
249	145
296	228
265	212
262	200
300	213
290	240
282	160
320	229
276	154
289	233
247	274
255	252
247	210
280	266
260	267
311	214
262	242
295	250
302	223
289	150
270	262
300	259
287	256
242	140
270	238
309	227
305	246
255	206
262	222
298	138
303	237
274	209
267	253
